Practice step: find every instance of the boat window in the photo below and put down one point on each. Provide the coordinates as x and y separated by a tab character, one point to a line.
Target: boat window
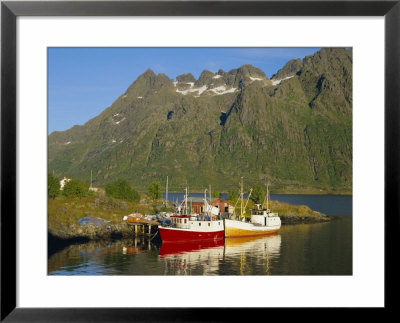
185	221
199	224
209	224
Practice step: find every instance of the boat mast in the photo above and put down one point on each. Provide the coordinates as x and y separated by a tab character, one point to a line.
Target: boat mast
267	198
248	199
166	194
205	202
241	199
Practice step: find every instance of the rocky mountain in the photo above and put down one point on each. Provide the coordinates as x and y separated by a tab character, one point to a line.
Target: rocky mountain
288	71
293	130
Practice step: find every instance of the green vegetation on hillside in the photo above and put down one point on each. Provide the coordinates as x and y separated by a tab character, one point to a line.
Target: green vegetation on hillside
154	190
121	189
296	135
53	186
75	188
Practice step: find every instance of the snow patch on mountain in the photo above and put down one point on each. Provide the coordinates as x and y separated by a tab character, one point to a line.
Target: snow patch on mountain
222	90
117	122
277	82
192	89
255	78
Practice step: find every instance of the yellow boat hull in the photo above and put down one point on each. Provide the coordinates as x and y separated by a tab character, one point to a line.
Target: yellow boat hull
242	229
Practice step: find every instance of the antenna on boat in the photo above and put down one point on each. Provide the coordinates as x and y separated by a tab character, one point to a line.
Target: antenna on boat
186	195
266	198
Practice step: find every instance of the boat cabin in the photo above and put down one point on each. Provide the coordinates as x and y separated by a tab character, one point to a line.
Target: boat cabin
178	220
194	221
264	217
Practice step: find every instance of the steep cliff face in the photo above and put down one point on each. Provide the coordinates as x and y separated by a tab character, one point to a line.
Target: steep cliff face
294	130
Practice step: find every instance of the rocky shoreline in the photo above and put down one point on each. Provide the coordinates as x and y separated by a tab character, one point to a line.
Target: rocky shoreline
306	220
71	234
93	232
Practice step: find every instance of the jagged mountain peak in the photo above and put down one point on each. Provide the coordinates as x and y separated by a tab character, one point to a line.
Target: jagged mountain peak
148	74
288	70
206	77
148	81
220	83
250	70
186	78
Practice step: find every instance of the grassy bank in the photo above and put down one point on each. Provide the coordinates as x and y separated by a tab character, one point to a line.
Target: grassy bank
64	213
291	214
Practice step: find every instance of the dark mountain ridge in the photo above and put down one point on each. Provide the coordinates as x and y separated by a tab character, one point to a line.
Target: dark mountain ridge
294	131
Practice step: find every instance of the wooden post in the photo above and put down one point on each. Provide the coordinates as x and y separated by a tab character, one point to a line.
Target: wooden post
136	230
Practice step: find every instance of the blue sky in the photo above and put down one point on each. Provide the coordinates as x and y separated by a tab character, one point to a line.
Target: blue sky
82	82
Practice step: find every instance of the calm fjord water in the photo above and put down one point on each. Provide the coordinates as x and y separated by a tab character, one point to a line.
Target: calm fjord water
301	249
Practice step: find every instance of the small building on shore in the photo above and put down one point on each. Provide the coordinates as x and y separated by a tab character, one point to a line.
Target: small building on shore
196	205
223	206
63	182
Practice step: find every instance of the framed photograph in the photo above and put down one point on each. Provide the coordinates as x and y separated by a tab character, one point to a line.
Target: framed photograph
188	160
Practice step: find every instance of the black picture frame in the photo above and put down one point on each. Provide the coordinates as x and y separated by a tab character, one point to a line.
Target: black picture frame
10	10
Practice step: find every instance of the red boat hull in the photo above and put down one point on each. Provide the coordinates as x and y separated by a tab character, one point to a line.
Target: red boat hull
179	235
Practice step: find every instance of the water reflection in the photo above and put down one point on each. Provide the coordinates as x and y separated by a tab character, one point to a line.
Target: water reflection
255	253
194	257
99	257
303	249
141	256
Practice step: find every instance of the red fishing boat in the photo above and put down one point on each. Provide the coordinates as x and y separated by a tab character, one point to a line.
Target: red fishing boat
192	227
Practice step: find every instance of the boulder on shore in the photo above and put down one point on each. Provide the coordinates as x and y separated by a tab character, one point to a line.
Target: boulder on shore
92	220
